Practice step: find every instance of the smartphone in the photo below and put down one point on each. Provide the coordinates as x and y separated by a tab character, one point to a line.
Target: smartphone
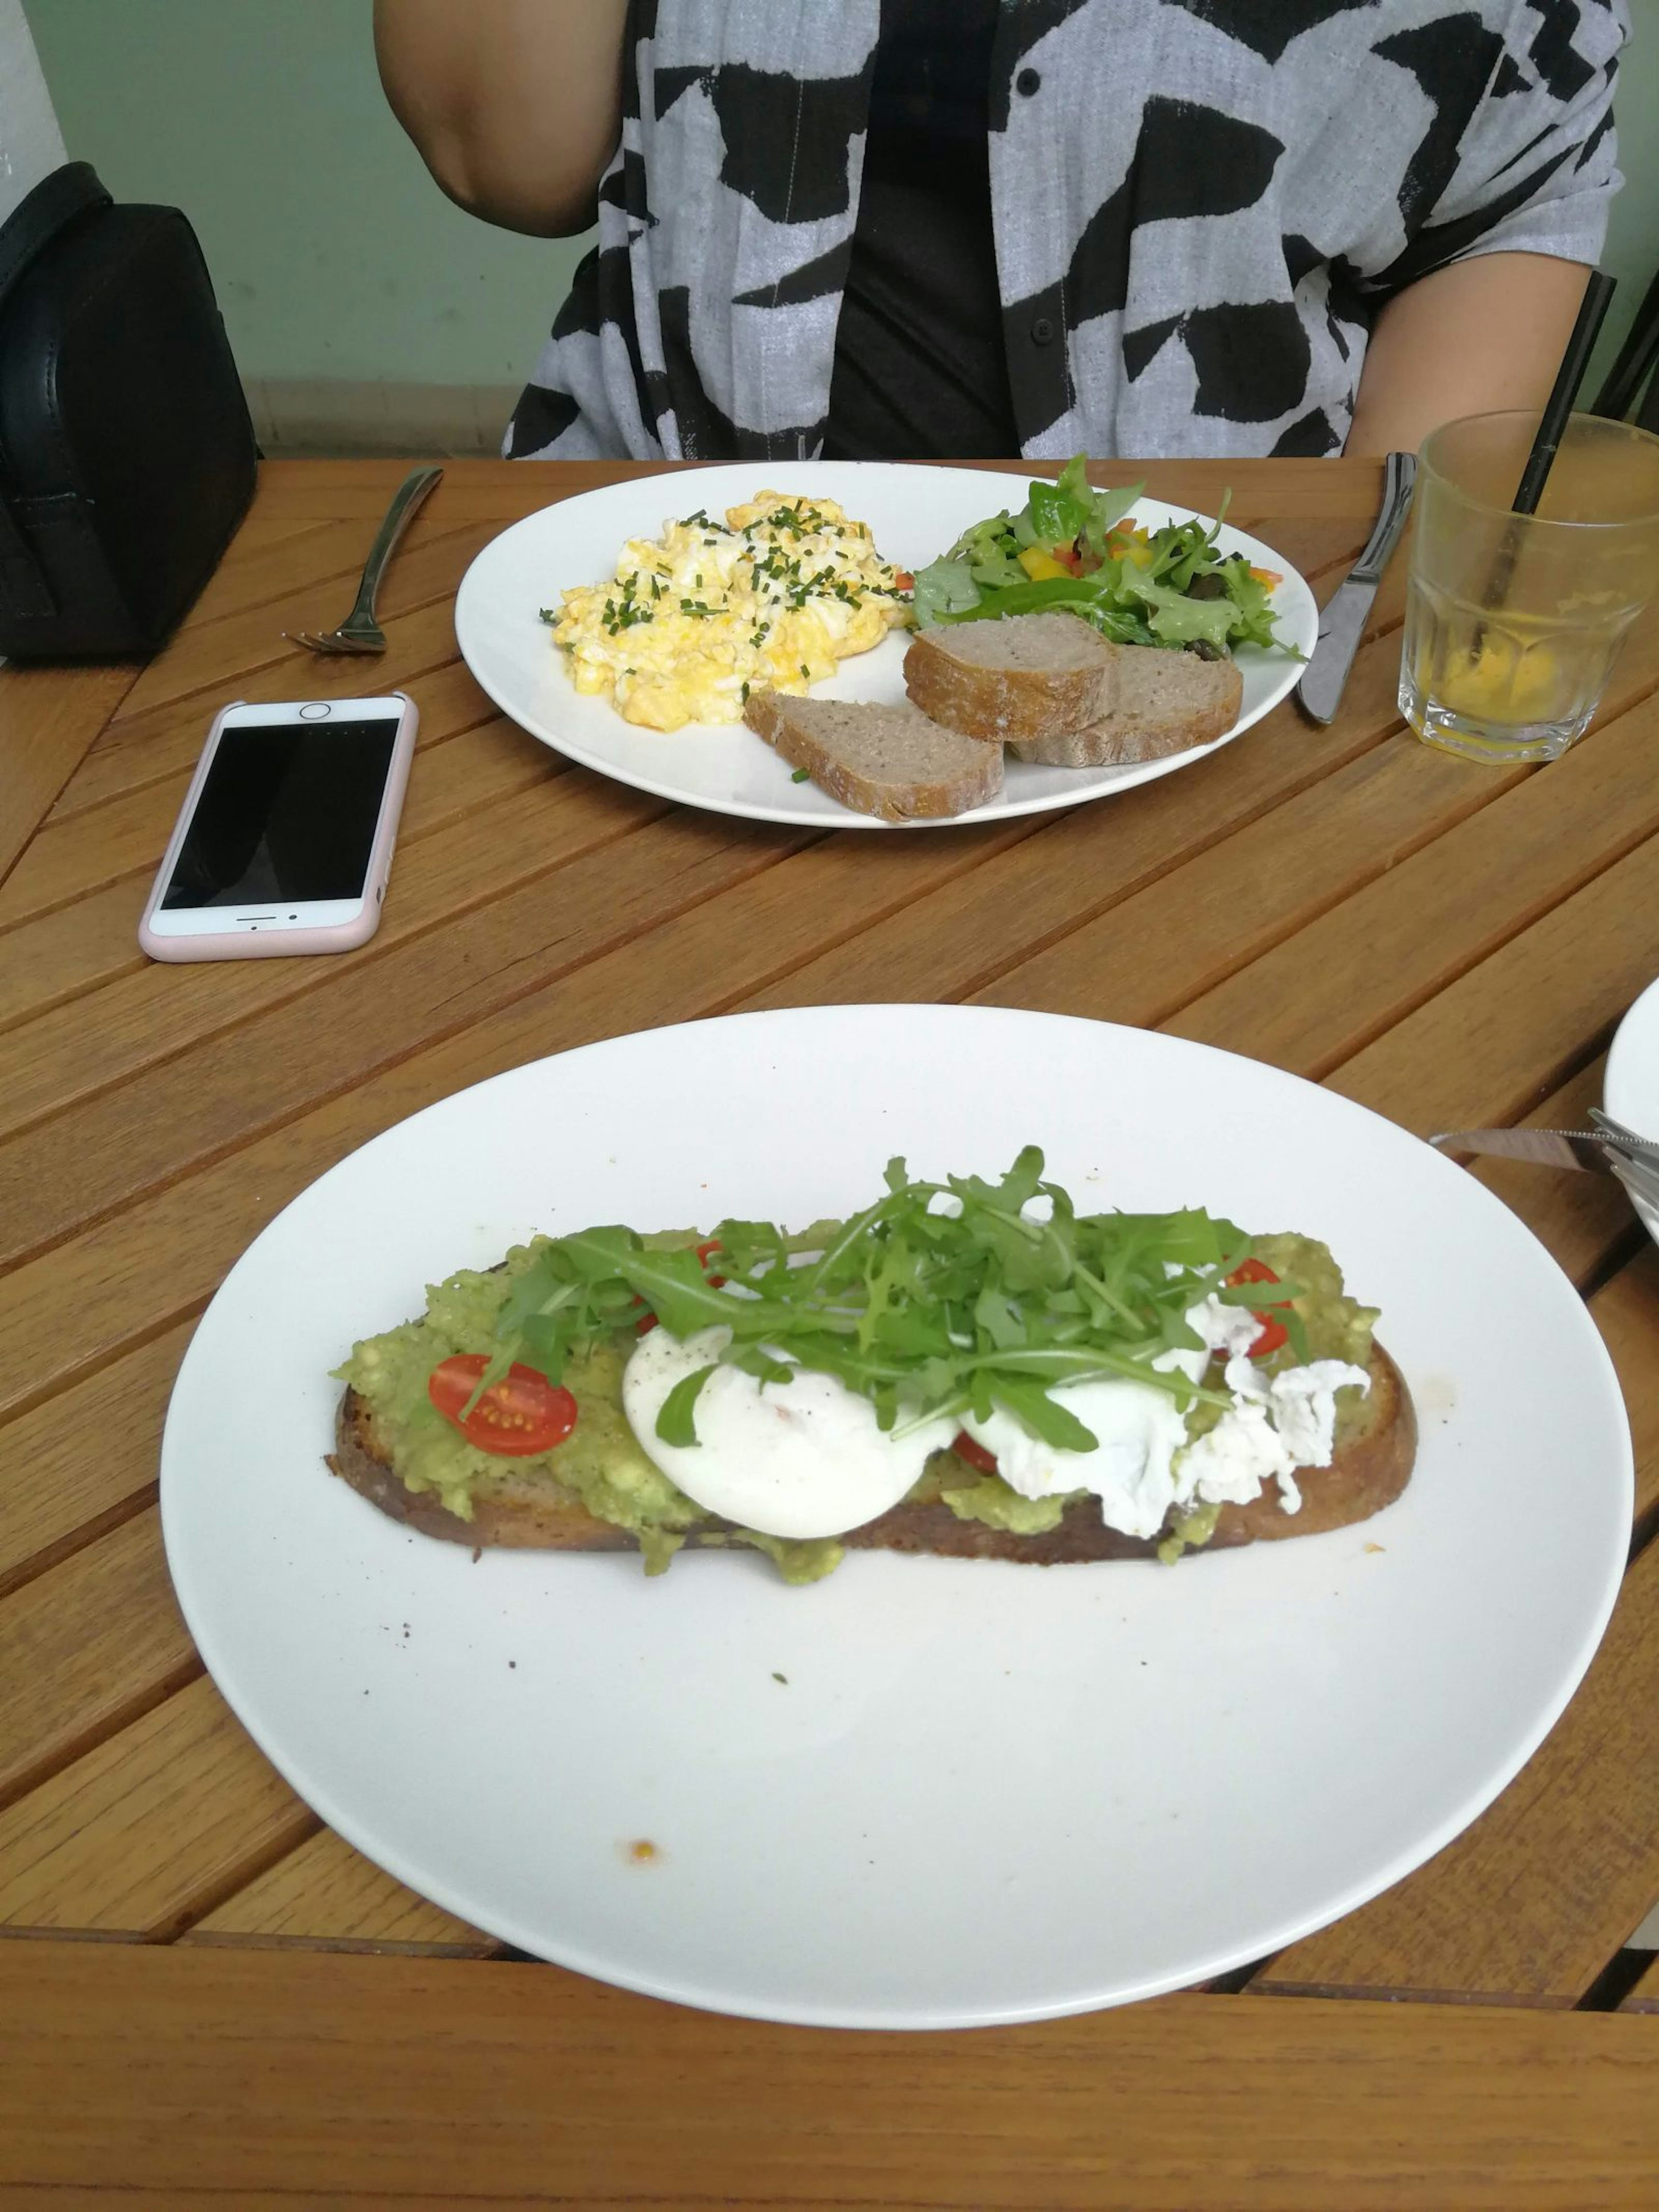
285	838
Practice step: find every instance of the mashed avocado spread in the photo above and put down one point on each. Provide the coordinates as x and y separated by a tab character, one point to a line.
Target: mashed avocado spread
601	1463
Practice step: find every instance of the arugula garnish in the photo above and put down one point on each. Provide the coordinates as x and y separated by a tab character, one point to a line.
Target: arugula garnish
937	1299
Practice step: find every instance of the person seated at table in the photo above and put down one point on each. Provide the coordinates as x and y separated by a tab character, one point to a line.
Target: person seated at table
913	228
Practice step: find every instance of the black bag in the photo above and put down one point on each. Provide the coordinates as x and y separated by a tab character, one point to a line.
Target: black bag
126	453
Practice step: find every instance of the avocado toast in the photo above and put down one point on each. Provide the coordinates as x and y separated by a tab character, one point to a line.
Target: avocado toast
967	1368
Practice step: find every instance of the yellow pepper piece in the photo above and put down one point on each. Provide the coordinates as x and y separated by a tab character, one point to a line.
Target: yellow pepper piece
1039	565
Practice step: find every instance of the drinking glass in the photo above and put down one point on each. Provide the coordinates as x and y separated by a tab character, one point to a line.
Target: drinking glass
1513	622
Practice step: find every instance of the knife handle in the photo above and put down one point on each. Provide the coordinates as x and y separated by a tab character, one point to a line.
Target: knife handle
1399	475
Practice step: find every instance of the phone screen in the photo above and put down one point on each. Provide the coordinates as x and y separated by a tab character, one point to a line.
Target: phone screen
287	812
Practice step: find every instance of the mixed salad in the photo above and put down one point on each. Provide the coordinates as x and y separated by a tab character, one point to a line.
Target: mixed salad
1073	548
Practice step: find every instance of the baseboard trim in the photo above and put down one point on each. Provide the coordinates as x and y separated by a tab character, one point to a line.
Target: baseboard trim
325	417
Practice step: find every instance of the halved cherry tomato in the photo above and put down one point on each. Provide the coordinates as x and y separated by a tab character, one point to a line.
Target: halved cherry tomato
648	1321
967	1448
524	1413
1273	1333
1069	558
903	581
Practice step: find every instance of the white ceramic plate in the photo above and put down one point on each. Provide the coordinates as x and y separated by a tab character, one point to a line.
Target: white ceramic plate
981	1792
915	513
1632	1084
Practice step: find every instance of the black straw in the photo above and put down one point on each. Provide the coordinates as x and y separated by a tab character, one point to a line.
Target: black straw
1597	294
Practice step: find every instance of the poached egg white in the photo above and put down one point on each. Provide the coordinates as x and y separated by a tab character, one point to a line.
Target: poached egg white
801	1458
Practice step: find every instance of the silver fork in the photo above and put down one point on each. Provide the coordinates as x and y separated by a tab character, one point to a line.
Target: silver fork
1637	1165
360	632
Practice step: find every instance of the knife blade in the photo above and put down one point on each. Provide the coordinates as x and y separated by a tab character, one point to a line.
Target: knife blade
1632	1161
1342	621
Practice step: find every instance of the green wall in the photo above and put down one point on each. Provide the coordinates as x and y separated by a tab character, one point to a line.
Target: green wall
335	255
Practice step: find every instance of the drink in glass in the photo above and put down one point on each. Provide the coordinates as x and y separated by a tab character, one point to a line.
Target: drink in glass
1513	622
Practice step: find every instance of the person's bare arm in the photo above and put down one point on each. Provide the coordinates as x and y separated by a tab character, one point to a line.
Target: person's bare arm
1479	334
514	105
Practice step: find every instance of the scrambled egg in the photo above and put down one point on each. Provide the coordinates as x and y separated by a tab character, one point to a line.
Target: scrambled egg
771	598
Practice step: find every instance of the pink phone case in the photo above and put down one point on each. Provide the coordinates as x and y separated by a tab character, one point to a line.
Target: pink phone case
276	943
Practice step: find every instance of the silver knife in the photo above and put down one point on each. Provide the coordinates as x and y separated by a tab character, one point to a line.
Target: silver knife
1342	621
1633	1160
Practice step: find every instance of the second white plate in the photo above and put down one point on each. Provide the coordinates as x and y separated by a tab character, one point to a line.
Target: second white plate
915	513
1633	1082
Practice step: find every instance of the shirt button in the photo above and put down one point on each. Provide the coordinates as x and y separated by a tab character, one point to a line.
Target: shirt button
1028	82
1042	331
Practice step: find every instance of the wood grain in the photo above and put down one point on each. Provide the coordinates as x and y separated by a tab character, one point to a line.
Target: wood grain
1452	945
201	2070
1529	1904
149	1829
471	859
58	1495
1488	1046
97	1641
325	1893
1628	1314
50	719
1394	943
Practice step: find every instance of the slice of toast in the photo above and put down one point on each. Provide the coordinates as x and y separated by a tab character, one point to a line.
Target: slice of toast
1014	679
1166	702
887	761
535	1511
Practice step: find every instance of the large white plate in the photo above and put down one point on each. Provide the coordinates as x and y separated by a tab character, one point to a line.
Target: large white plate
916	513
982	1792
1631	1084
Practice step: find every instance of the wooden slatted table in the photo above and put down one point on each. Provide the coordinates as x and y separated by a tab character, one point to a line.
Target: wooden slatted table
209	1999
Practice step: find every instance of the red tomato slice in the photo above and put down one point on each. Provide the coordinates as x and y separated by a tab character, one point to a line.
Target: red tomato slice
968	1448
524	1413
1273	1333
648	1321
1068	557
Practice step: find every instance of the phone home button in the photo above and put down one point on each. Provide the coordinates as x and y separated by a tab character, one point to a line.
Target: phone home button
315	711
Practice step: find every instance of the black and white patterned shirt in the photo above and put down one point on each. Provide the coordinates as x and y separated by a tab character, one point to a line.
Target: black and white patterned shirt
1196	204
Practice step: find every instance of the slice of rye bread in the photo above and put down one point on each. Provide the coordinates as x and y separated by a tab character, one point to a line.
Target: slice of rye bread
533	1509
887	761
1167	702
1015	679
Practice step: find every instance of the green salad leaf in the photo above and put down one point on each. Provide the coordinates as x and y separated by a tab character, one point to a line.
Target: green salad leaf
936	1299
1172	587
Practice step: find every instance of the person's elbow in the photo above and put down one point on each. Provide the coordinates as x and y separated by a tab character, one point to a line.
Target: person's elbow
554	201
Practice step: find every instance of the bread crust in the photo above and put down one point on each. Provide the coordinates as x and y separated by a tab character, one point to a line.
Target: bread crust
1006	704
1130	735
932	798
538	1513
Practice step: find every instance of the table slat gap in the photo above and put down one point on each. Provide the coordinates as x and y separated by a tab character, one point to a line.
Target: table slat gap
250	993
1534	1897
175	778
190	664
741	856
13	1577
50	728
1565	980
420	645
31	1400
